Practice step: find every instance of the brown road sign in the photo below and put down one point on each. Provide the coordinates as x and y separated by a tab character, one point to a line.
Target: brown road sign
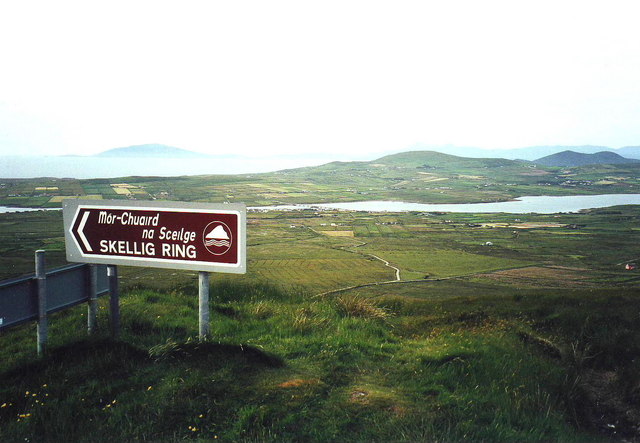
177	235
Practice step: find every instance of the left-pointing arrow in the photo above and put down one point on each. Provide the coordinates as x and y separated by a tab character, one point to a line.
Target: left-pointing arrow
85	216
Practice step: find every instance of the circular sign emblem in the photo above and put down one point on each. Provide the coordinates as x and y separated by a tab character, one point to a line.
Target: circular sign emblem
217	238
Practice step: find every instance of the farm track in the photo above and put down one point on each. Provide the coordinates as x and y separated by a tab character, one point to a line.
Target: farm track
391	282
397	279
402	282
361	243
353	248
387	264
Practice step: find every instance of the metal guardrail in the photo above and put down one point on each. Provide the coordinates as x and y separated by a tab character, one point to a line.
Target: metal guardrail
66	287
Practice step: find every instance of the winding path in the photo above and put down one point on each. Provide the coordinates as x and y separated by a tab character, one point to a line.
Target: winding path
361	243
386	263
397	279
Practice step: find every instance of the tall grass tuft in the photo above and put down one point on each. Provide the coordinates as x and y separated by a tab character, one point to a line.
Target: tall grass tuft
356	306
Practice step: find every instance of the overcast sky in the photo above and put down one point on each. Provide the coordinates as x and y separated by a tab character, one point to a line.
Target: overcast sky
274	77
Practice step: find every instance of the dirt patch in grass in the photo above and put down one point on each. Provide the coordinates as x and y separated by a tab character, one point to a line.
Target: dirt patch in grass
60	198
298	382
540	276
358	396
495	225
531	225
605	182
338	233
534	225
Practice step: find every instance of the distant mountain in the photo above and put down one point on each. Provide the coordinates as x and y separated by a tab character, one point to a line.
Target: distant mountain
629	151
528	153
433	159
151	151
535	152
413	164
572	158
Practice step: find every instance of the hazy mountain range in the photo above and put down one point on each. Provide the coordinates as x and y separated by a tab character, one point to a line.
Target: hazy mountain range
169	161
533	153
530	153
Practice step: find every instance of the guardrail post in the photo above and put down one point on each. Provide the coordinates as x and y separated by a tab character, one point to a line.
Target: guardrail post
92	307
41	283
114	300
203	305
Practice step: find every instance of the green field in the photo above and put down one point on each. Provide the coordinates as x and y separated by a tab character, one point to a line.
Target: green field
533	338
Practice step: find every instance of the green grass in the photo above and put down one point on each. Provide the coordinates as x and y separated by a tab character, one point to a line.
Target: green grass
417	261
283	367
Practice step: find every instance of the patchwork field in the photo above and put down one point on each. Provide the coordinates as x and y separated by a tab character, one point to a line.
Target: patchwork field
302	248
490	335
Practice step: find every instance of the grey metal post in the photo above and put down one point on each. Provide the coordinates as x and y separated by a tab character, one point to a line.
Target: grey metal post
92	306
114	300
41	282
203	305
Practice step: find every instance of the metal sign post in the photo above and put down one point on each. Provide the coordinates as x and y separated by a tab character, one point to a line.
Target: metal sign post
92	305
41	281
201	237
203	306
114	300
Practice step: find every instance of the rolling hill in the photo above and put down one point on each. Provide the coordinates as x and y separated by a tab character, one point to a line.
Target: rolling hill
571	159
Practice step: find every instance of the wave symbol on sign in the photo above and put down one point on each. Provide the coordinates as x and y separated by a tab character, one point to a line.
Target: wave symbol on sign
217	237
218	243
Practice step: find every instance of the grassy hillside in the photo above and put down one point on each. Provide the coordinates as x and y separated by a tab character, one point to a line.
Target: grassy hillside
534	338
573	159
432	160
426	366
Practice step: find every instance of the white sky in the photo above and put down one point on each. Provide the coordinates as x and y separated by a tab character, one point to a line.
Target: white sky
276	77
